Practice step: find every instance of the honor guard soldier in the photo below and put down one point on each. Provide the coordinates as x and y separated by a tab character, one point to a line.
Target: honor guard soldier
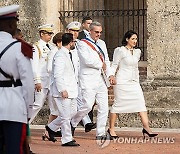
16	84
39	65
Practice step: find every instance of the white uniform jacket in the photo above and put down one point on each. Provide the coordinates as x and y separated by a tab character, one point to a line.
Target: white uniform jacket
50	59
127	65
15	102
91	64
39	63
63	75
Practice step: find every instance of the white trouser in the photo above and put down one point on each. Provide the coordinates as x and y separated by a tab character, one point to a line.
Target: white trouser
40	98
86	119
99	93
67	109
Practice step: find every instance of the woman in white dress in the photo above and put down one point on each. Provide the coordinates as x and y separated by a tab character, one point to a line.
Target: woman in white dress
127	91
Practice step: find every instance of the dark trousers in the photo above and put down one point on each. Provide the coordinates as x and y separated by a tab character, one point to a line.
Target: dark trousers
12	137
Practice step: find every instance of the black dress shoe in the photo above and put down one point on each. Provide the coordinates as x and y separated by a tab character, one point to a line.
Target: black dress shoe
51	134
71	143
58	134
89	127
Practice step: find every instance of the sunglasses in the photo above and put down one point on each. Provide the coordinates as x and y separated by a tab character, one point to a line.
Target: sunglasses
48	33
74	30
98	32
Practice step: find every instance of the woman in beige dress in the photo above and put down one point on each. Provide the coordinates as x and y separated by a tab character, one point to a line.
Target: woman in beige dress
127	91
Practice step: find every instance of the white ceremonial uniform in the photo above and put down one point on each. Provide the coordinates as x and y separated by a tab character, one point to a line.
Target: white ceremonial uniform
76	64
128	93
64	78
92	84
52	104
41	75
15	102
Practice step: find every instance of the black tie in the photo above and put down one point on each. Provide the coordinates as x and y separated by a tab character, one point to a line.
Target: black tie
70	54
48	46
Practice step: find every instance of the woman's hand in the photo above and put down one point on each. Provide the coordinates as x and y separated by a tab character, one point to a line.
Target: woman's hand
112	80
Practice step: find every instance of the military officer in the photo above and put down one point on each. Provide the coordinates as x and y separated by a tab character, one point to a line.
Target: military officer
16	84
74	28
39	66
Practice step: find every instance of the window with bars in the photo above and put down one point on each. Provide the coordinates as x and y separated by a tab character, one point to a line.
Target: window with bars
116	16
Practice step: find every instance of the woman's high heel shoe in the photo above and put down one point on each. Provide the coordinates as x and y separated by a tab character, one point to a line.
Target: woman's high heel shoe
112	137
146	132
44	137
50	136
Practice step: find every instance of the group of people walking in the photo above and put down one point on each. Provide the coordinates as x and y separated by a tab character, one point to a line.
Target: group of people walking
73	75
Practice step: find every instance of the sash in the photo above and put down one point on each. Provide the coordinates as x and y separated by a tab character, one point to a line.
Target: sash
91	44
101	56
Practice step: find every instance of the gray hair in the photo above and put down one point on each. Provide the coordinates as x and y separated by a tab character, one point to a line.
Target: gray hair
93	24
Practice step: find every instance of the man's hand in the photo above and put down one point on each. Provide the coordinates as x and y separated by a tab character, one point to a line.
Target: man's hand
64	94
112	80
104	67
38	87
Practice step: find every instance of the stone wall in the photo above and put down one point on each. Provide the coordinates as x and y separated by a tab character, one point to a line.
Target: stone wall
162	85
34	13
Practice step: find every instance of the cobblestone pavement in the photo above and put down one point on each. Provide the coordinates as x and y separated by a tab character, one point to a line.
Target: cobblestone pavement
130	142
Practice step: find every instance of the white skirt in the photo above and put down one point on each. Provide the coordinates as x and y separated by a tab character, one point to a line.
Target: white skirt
129	98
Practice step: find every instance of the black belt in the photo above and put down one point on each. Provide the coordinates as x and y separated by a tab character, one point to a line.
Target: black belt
11	83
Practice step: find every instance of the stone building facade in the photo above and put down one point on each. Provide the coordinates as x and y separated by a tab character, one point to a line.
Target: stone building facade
161	66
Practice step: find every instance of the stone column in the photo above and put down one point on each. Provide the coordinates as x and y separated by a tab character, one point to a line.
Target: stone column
162	88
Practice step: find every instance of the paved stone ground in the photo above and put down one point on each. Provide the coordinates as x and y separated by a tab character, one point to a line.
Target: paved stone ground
130	142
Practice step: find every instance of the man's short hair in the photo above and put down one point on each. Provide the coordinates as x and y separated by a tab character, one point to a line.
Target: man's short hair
94	23
86	18
67	38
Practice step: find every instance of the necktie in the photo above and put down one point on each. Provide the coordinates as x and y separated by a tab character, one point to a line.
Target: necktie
48	46
70	54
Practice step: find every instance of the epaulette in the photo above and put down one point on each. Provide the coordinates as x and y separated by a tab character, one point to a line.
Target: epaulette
37	45
26	48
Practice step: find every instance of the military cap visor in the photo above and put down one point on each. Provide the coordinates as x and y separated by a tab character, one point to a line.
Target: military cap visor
9	12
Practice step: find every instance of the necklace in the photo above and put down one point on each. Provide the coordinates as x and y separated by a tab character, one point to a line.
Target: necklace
131	49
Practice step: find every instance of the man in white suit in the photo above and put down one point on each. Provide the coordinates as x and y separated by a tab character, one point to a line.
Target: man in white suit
16	84
93	59
73	28
65	91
